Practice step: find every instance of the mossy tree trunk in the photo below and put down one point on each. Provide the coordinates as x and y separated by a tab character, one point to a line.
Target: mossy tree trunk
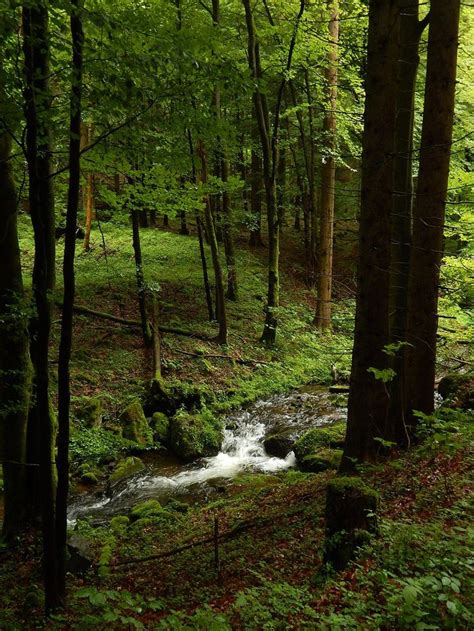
368	396
15	365
37	98
351	518
429	208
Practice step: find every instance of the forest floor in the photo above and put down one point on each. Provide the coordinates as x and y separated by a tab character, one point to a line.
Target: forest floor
416	574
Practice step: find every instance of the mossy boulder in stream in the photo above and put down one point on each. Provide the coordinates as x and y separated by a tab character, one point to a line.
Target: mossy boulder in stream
126	468
194	436
319	448
135	426
91	411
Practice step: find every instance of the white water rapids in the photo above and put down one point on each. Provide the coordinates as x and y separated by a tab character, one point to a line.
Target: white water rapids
242	450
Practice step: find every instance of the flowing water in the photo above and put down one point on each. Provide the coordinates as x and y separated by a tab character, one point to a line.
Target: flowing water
242	452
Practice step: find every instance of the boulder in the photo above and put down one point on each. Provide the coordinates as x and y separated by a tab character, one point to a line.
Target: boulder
457	390
322	459
125	468
135	426
80	554
279	444
91	411
173	396
150	508
319	437
194	436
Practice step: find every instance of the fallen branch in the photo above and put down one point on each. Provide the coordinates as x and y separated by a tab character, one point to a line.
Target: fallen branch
113	318
247	525
237	360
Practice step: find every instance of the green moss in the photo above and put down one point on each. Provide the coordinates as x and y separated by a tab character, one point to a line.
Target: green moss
321	460
160	425
150	508
342	485
176	505
96	445
91	411
195	436
135	425
119	524
318	437
125	468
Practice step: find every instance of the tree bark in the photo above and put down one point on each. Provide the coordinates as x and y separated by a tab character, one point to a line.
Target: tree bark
15	365
256	191
38	149
65	346
211	233
328	179
429	208
402	206
368	396
89	198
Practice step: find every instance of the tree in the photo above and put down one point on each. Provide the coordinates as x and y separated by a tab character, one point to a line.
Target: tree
15	365
64	387
429	208
38	148
328	179
368	397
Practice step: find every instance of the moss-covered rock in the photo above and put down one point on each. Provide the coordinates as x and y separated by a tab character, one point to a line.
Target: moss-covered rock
195	436
177	506
126	468
279	444
119	524
135	426
91	411
149	508
322	459
457	389
160	425
319	437
170	397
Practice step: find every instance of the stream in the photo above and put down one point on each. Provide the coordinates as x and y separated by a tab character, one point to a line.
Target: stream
242	451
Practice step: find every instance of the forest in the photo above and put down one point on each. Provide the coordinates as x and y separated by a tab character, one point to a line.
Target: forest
236	314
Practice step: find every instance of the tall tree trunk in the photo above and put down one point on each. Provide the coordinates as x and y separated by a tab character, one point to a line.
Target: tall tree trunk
429	208
89	198
211	234
328	179
65	346
199	227
38	144
402	206
227	228
15	365
368	396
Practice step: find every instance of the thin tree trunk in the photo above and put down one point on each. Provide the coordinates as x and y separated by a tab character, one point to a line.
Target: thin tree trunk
257	188
37	113
89	199
141	287
228	235
15	364
328	180
429	208
65	346
211	233
199	227
368	395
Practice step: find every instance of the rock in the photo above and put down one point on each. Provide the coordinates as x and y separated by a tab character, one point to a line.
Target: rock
126	468
80	554
457	389
135	425
171	397
279	444
91	412
350	519
160	425
321	460
195	436
319	437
